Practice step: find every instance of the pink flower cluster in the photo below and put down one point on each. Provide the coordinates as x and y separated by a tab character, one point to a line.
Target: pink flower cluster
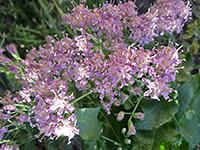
171	15
164	15
49	74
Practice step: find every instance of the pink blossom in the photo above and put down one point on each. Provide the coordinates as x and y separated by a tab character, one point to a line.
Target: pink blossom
131	129
120	116
2	131
13	68
139	115
12	49
3	59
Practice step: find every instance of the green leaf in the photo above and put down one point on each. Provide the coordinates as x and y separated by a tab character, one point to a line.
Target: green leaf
156	113
91	145
195	46
47	14
188	114
88	123
143	140
187	36
165	136
184	74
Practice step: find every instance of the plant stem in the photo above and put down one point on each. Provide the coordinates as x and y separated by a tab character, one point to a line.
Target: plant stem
140	98
76	100
131	102
139	80
3	40
110	140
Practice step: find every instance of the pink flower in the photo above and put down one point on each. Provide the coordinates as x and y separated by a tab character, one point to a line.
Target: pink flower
12	49
117	103
9	108
9	147
120	116
65	128
157	87
23	118
137	90
171	15
139	115
13	68
3	59
4	116
131	128
2	131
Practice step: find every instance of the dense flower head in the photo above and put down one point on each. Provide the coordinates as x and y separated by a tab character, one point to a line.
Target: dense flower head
113	19
49	71
171	15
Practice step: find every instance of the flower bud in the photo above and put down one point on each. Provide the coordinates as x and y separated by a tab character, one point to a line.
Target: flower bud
137	90
123	130
117	103
139	115
131	128
49	39
120	116
127	141
12	49
13	68
119	148
124	97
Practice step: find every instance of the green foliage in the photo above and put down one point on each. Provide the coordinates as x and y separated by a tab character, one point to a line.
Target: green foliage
156	113
188	114
188	65
87	122
193	33
166	135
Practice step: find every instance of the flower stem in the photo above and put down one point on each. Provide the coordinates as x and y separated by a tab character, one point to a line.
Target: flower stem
140	98
110	140
81	97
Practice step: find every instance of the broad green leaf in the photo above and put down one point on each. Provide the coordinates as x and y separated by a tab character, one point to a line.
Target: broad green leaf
184	74
156	113
88	123
143	140
189	112
166	136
